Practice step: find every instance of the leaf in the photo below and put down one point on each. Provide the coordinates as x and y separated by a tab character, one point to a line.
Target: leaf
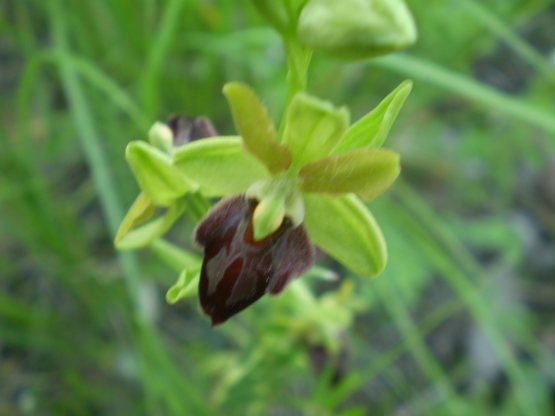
147	233
365	172
372	129
141	210
157	178
313	128
186	286
256	127
346	230
219	165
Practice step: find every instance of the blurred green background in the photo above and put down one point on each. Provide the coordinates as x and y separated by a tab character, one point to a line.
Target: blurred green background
461	322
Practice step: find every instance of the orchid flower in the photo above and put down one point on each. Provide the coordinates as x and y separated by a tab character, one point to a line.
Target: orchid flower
281	193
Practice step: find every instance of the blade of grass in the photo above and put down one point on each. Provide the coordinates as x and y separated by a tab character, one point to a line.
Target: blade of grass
178	395
431	368
414	217
475	91
498	28
158	51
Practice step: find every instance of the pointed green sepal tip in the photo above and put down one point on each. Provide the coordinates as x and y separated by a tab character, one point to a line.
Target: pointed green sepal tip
144	234
186	286
356	29
366	172
313	128
141	211
346	230
256	128
372	130
162	182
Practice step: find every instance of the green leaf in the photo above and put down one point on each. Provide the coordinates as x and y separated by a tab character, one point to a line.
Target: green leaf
141	210
313	127
219	165
256	127
356	28
156	175
186	286
372	129
346	230
365	172
145	234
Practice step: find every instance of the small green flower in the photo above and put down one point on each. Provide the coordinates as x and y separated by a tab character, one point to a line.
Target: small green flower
282	191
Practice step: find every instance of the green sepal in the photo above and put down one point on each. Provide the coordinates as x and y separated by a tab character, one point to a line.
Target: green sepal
156	175
366	173
372	129
256	127
145	234
346	230
313	127
186	286
219	165
141	210
356	29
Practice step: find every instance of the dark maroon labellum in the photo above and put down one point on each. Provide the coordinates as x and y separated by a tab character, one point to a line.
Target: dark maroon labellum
186	129
237	270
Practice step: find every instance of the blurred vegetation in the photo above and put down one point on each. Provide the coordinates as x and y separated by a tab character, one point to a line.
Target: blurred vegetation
461	322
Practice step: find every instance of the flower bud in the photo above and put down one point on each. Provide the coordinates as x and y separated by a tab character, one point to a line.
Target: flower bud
356	28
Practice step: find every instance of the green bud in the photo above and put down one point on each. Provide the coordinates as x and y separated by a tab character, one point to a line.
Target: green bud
356	28
161	137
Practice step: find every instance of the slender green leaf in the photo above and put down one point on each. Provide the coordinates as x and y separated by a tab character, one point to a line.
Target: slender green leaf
372	129
346	230
365	172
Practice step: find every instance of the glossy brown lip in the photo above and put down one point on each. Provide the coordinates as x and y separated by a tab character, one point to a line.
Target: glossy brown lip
237	270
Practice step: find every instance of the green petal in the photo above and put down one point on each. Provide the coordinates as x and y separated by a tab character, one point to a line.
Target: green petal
365	172
372	129
141	210
219	165
145	234
346	230
158	179
186	286
256	127
313	128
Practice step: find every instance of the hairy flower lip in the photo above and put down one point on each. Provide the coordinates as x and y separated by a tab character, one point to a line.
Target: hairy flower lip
237	270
